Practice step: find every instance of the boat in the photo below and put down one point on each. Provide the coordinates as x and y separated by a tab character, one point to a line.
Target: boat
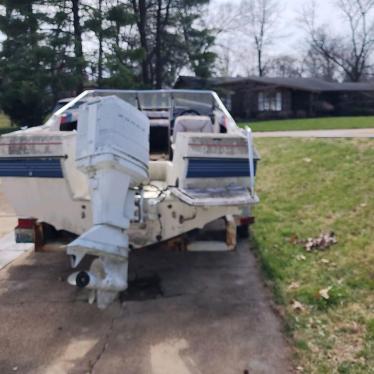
128	169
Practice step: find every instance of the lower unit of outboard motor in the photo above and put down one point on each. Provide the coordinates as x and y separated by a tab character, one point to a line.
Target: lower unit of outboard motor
113	151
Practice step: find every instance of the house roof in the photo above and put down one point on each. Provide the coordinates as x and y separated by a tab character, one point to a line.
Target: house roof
200	82
305	84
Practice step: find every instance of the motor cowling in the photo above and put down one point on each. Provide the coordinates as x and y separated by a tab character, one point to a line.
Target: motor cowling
113	151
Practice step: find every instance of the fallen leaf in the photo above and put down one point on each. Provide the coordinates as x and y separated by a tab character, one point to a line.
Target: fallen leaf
293	239
321	242
300	258
313	348
351	328
300	369
325	261
297	306
324	293
355	328
307	159
293	286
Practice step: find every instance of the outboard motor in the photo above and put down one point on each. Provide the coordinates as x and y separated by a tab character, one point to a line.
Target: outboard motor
113	151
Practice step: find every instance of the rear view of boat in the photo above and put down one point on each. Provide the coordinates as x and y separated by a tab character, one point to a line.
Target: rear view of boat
39	178
132	169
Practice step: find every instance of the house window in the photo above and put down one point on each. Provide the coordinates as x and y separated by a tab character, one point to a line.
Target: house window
270	101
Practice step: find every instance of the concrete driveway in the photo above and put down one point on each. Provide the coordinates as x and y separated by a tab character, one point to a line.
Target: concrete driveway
197	313
353	133
8	219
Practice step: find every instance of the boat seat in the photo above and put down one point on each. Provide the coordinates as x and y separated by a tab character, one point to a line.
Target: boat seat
191	123
158	170
158	117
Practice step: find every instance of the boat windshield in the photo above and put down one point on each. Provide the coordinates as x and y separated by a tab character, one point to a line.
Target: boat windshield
168	111
175	102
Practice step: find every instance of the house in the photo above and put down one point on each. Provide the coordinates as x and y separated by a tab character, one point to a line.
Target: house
265	97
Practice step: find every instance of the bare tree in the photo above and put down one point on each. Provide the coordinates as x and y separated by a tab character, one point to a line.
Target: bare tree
318	66
350	52
241	28
286	66
223	18
259	22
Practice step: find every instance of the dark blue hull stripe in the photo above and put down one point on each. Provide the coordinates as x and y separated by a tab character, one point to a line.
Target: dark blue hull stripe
218	167
45	167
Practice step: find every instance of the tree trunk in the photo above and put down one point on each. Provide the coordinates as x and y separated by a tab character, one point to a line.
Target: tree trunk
32	24
100	37
78	48
158	47
54	69
259	63
140	10
161	23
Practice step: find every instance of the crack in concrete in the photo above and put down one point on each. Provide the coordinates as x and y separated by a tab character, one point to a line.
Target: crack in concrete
105	345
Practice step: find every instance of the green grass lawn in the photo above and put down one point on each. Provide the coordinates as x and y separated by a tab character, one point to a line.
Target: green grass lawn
327	123
4	121
5	125
308	187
